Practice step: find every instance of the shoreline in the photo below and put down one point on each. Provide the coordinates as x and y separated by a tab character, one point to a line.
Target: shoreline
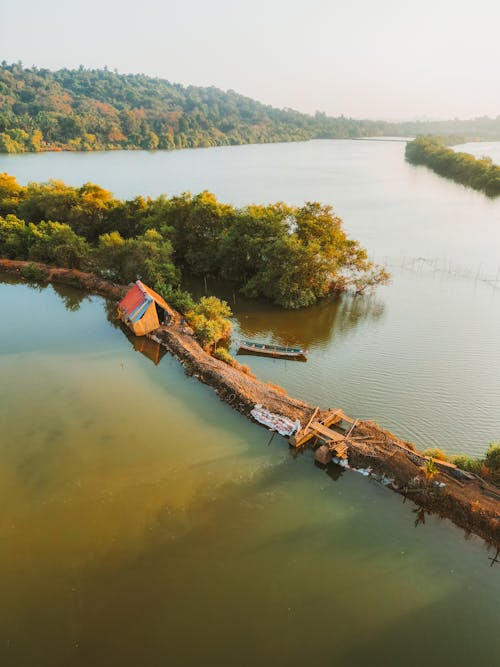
473	505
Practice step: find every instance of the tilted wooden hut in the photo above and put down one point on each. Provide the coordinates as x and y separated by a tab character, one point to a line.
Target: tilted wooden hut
143	310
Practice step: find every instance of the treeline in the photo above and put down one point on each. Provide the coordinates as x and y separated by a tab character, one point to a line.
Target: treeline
292	256
480	174
86	110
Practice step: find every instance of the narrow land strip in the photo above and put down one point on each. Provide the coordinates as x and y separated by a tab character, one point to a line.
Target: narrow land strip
472	504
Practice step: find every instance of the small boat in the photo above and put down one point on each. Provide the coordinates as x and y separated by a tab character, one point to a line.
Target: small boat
268	350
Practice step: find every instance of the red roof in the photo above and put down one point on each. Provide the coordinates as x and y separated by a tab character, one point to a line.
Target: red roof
131	300
137	295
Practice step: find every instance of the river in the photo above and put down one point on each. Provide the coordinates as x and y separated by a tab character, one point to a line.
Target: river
420	357
146	523
481	149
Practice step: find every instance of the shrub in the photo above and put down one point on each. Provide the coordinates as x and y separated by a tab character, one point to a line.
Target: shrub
430	469
467	463
33	273
209	320
436	453
492	461
223	355
176	297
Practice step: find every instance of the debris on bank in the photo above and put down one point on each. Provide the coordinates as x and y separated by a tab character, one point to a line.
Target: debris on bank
283	425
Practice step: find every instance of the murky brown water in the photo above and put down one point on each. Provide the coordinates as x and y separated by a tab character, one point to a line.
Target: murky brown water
145	523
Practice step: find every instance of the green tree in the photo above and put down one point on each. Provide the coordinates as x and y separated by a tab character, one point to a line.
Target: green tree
11	194
209	320
14	238
56	243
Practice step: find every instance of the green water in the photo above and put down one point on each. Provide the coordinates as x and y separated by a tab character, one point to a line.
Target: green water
145	523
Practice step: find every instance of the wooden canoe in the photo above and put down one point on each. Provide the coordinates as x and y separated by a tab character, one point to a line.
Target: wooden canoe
268	350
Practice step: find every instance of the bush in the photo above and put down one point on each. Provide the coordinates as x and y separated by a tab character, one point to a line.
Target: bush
176	297
223	355
492	461
467	463
209	321
436	453
33	273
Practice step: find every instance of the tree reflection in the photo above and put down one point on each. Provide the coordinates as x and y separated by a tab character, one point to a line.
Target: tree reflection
110	309
71	298
309	327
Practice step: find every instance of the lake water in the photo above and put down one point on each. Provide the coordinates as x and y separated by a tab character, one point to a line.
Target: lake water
421	356
146	523
482	148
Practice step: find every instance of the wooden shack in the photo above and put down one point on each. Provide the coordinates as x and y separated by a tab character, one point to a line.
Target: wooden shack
144	310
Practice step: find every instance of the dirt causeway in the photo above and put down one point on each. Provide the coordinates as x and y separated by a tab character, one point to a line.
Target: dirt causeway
472	504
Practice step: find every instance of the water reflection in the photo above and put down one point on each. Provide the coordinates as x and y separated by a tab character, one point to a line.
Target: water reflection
149	348
308	327
10	279
420	513
71	298
110	310
333	470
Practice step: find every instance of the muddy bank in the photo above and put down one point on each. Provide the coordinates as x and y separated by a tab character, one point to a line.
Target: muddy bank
472	504
71	277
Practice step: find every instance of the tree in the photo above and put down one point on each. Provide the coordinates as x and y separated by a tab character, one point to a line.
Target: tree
11	194
209	320
430	469
57	244
14	238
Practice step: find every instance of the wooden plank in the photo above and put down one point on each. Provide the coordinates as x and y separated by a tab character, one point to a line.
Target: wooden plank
310	421
305	434
327	432
346	418
340	450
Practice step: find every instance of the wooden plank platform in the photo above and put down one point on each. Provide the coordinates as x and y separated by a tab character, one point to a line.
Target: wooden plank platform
305	434
345	418
326	433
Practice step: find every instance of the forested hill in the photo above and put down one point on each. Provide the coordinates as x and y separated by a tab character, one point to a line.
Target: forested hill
99	109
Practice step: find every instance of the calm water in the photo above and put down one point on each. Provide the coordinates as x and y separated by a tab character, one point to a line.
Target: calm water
146	523
481	148
421	356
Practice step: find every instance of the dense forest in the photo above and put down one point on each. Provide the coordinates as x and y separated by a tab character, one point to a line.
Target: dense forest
480	174
99	109
85	110
292	256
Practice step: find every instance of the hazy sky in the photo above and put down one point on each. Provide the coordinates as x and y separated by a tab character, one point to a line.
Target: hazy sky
364	58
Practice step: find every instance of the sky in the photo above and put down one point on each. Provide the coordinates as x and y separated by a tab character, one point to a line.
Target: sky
391	59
